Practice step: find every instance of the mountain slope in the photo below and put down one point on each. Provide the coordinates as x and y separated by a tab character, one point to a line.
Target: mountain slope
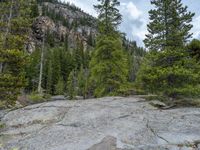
67	21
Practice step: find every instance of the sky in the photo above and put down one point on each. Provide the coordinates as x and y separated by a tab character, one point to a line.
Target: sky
136	18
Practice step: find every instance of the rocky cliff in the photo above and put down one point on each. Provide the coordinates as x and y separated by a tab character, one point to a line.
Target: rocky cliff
61	21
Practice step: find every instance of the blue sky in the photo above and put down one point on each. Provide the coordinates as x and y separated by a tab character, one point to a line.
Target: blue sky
135	16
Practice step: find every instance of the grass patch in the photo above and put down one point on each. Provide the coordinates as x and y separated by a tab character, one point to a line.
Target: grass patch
2	125
2	105
34	98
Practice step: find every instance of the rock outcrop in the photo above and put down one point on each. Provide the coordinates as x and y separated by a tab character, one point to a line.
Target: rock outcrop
111	123
45	24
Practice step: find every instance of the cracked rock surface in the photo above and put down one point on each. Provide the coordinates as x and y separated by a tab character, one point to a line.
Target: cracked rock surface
110	123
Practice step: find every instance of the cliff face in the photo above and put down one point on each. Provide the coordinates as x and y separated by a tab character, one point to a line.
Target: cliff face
61	21
67	23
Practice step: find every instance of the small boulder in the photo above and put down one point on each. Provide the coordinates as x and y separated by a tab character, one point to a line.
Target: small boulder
158	104
58	97
107	143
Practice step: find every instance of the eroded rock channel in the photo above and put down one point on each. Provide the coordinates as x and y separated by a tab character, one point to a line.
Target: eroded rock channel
111	123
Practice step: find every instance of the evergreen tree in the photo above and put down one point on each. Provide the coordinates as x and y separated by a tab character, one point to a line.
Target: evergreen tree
168	69
34	9
60	87
32	71
66	41
90	40
78	54
109	16
50	38
83	82
15	22
109	64
172	78
194	49
169	25
71	85
56	67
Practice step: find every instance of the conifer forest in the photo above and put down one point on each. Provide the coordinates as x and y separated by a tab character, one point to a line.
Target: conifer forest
98	60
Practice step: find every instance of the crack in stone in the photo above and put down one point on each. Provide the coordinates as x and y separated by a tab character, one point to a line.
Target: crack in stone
46	107
75	125
154	132
45	123
121	117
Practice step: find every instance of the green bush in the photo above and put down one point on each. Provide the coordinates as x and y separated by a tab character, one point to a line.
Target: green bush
2	105
2	125
36	98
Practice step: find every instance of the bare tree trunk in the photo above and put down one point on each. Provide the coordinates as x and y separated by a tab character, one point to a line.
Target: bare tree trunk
9	20
41	69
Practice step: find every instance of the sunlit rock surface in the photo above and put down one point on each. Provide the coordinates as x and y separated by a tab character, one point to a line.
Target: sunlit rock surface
111	123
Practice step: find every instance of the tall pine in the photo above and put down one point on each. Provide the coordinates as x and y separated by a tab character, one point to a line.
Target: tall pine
168	69
109	64
15	26
170	23
109	16
72	85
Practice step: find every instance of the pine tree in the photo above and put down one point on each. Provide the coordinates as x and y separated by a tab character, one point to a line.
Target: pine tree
109	64
168	70
32	71
169	25
71	85
34	9
60	87
109	16
15	22
66	41
56	67
171	78
90	40
83	82
194	49
78	54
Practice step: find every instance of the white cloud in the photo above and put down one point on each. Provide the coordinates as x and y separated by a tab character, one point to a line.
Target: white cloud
133	23
87	6
133	11
196	28
141	34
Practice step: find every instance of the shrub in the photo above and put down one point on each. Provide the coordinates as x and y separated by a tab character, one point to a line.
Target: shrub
36	98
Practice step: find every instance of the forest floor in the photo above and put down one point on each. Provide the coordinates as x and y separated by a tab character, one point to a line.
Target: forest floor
109	123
